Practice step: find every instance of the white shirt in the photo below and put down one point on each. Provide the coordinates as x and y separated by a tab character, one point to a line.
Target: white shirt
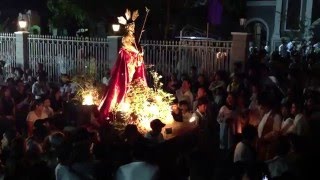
262	123
32	117
69	88
286	126
11	75
187	96
157	139
62	173
289	46
253	102
300	125
218	99
137	171
227	129
79	171
38	90
276	123
283	50
48	111
195	118
105	80
62	64
243	153
186	117
277	166
224	114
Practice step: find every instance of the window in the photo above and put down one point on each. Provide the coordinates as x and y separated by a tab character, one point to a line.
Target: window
315	11
293	14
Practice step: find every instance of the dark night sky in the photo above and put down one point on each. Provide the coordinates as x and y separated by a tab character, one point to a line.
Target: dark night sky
39	5
114	6
11	8
108	9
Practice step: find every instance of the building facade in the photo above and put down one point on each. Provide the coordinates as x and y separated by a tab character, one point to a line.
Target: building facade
271	20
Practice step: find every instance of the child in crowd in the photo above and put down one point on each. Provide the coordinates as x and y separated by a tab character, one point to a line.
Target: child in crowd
155	134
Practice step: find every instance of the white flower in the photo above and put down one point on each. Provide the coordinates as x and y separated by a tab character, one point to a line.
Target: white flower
122	20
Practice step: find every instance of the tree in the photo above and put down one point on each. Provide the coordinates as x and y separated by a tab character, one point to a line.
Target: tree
63	12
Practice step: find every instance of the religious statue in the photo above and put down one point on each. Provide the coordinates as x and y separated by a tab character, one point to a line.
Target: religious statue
128	67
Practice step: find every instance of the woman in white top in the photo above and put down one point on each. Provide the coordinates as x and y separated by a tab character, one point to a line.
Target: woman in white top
186	114
226	119
254	112
287	121
36	113
300	125
47	107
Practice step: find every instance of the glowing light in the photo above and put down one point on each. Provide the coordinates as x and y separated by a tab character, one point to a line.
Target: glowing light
192	119
87	92
145	104
125	107
153	109
22	23
115	27
87	99
145	124
158	98
168	119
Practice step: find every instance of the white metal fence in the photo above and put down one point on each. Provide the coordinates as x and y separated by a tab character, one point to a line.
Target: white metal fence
8	51
73	55
68	55
178	56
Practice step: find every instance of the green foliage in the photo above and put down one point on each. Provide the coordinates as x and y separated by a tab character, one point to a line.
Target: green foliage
145	104
87	84
35	28
64	12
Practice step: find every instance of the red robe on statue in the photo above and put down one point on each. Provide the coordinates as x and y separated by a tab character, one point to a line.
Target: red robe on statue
124	71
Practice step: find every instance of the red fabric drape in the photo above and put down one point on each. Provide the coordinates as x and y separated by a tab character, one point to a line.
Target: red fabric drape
120	80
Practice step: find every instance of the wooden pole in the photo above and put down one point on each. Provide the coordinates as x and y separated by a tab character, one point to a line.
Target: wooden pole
144	23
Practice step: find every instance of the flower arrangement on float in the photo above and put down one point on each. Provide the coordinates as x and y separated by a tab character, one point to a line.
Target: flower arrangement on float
143	104
88	91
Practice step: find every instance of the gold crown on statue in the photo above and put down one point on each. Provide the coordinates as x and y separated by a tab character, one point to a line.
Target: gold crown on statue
128	19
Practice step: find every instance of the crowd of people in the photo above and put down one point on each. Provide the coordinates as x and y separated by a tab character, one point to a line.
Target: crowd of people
256	122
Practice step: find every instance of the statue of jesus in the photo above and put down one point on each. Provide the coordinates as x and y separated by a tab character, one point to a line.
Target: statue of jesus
128	67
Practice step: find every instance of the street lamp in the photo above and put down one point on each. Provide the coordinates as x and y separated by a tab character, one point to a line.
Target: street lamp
115	27
22	24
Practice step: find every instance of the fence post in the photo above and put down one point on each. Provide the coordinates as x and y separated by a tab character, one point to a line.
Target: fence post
239	49
22	49
114	44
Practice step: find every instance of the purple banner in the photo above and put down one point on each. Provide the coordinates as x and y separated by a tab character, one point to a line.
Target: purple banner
215	12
